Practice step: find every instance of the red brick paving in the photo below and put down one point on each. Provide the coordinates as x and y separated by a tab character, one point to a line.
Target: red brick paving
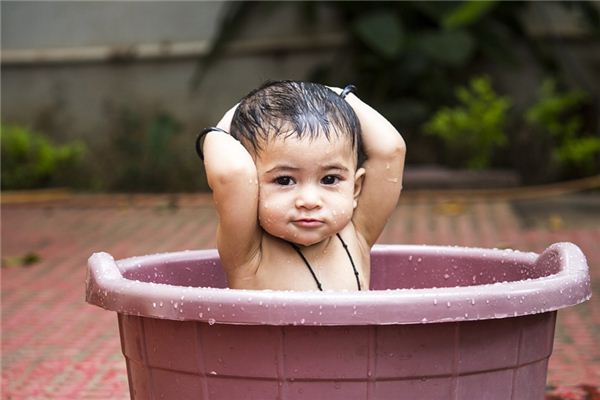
55	346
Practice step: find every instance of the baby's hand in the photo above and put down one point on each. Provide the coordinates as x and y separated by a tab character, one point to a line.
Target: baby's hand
225	122
337	90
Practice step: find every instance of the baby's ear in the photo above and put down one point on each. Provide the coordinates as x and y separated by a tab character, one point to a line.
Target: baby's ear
359	177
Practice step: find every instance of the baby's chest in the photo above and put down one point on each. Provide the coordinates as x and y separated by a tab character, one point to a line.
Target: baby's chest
296	271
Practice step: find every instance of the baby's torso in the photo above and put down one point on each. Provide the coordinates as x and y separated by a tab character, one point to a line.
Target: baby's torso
282	267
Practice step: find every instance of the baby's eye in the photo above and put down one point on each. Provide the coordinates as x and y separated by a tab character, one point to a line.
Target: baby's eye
330	180
284	180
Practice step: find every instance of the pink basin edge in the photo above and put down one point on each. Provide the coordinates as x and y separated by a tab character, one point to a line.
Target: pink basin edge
107	287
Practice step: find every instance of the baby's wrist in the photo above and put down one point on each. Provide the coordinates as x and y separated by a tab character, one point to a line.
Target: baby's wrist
348	89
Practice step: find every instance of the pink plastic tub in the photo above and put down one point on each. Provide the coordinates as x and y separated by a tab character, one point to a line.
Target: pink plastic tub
438	323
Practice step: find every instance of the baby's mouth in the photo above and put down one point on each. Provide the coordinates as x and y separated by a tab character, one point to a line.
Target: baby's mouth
308	222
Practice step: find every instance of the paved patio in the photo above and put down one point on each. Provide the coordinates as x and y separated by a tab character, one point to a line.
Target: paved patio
55	346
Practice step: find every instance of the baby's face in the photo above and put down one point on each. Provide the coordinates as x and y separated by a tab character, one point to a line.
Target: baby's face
307	187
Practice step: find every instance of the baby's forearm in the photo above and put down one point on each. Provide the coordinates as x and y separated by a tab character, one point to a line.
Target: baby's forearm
380	138
226	160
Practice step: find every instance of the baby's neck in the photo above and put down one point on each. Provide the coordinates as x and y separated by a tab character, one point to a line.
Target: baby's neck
319	247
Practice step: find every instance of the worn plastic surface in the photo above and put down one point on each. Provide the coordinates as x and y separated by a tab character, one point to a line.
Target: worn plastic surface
439	322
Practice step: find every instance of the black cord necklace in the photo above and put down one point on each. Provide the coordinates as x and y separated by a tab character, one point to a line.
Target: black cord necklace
312	272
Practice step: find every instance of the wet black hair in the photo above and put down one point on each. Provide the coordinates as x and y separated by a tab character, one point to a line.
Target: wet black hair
294	108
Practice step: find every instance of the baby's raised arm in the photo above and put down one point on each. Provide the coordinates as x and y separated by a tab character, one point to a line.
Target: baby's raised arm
231	174
385	150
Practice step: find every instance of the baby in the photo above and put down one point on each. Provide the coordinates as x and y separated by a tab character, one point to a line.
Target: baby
303	185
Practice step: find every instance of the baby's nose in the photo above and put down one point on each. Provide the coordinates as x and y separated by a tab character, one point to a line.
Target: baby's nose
308	198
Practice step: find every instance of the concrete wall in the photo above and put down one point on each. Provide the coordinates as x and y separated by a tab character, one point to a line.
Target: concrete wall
74	95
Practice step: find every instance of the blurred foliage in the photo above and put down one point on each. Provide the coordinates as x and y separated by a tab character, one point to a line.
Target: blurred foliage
556	117
475	127
141	153
407	58
26	260
30	160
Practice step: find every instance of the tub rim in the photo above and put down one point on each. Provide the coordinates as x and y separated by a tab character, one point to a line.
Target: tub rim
106	287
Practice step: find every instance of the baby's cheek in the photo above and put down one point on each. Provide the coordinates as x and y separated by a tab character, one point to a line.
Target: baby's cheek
269	216
342	213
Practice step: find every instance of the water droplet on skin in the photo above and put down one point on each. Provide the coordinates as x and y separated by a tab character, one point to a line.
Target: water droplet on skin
153	305
211	321
448	304
446	276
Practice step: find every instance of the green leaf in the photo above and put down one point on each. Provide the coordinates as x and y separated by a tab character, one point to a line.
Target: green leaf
382	32
449	47
467	13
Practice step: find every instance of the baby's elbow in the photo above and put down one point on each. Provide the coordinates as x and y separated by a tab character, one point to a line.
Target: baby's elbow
399	146
395	148
231	174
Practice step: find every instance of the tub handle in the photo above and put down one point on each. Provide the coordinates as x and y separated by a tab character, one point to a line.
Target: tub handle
102	275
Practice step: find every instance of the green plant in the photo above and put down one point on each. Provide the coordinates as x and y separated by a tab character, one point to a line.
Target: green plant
475	127
556	116
30	160
144	149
